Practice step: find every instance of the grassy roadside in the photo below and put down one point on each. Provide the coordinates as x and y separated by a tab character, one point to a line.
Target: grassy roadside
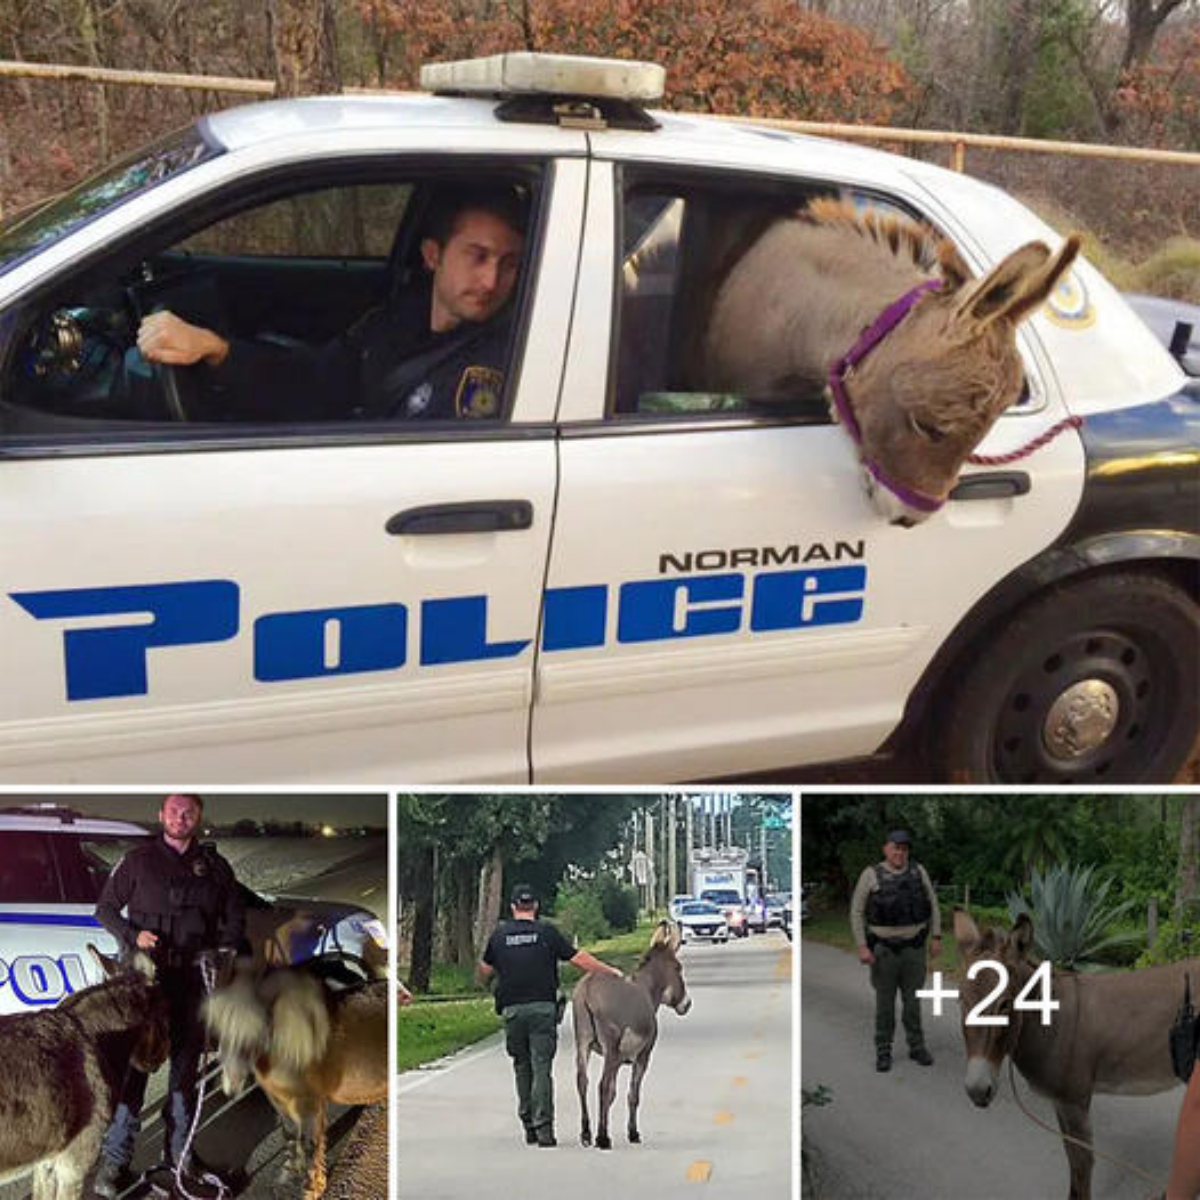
832	927
460	1013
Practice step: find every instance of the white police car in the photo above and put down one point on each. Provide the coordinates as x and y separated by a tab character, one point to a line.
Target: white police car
53	863
198	586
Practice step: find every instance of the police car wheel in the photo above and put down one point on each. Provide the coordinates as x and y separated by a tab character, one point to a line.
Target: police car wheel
1097	681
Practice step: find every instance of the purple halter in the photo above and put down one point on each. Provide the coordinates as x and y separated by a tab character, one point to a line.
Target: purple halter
874	334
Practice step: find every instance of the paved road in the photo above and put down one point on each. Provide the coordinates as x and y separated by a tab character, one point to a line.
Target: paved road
716	1114
914	1132
240	1139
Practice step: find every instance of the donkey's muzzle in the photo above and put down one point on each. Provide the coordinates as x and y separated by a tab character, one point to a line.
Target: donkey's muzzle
980	1082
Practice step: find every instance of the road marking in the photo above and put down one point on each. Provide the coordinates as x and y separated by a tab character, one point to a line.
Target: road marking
723	1118
740	1081
783	965
699	1172
753	1054
436	1069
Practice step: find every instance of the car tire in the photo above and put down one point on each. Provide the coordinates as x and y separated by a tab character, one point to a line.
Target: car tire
1097	681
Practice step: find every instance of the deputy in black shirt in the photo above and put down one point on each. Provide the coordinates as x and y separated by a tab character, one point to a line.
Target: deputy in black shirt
437	350
524	953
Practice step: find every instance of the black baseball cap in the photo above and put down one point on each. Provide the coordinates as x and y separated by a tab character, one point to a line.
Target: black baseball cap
522	896
900	837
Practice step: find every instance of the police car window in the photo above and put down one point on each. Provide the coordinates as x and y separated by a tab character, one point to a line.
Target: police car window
89	863
676	243
27	871
342	222
305	308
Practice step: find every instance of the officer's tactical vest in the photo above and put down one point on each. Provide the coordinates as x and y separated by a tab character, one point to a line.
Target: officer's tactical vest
181	906
898	899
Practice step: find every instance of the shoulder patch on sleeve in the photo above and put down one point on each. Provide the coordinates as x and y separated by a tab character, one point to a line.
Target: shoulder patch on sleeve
478	393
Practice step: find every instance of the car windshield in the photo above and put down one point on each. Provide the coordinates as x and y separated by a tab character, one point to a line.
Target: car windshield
723	897
700	909
130	176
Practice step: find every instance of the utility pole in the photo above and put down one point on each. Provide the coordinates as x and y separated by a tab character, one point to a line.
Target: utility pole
762	852
690	816
652	882
672	865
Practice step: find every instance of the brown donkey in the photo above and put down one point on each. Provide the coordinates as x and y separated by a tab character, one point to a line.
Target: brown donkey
799	298
1108	1035
306	1044
617	1019
62	1071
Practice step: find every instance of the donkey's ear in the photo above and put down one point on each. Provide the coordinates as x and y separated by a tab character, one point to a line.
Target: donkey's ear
109	965
966	932
662	934
1021	938
1016	286
955	271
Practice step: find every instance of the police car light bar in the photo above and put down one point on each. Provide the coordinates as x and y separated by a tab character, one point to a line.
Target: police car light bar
548	74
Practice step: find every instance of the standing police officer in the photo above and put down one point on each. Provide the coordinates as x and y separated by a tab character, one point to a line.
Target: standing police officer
893	911
180	900
525	952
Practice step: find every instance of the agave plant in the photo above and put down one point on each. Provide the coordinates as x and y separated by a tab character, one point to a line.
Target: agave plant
1072	915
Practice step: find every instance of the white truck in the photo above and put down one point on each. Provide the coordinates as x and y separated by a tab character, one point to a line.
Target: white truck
722	875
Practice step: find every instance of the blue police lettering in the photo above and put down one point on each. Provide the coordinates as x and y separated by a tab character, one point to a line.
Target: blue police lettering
38	980
110	660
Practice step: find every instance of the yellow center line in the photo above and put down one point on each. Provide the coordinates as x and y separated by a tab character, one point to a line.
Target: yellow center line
700	1171
723	1118
753	1054
740	1081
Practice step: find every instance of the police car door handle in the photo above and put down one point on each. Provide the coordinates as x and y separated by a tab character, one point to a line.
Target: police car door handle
471	516
992	485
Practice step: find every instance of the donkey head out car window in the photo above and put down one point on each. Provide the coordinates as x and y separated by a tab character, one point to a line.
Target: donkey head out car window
317	305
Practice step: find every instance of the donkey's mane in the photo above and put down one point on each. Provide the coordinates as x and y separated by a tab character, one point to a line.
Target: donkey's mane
900	236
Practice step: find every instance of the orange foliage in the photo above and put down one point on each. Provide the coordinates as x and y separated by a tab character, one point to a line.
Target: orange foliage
760	57
1159	103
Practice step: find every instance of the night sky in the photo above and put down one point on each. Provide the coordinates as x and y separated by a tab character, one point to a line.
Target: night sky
222	808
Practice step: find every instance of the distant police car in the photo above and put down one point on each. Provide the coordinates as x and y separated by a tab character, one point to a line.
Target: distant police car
607	574
53	863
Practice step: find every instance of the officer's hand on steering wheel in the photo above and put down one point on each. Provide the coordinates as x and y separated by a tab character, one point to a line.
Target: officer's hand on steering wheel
165	338
146	940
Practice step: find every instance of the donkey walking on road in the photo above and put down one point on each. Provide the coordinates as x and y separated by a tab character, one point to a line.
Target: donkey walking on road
617	1018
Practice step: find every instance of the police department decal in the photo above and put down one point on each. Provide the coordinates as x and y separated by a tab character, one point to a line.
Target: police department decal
1069	305
479	393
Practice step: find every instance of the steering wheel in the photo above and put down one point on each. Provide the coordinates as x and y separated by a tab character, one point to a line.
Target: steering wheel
176	388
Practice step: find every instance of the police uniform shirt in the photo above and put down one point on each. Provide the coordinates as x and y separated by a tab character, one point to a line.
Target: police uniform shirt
526	954
388	365
191	900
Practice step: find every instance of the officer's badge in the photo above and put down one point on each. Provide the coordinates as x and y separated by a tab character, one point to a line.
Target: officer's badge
479	392
418	400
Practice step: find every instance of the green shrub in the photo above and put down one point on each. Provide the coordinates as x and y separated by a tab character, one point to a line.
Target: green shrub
579	913
1176	940
619	904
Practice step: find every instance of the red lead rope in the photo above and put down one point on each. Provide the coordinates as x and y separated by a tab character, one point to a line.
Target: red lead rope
997	460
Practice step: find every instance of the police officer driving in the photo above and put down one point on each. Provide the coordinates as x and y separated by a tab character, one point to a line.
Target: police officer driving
892	912
177	899
436	349
524	954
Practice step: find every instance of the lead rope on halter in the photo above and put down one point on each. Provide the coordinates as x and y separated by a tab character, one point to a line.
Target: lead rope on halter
1159	1186
220	1189
884	324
